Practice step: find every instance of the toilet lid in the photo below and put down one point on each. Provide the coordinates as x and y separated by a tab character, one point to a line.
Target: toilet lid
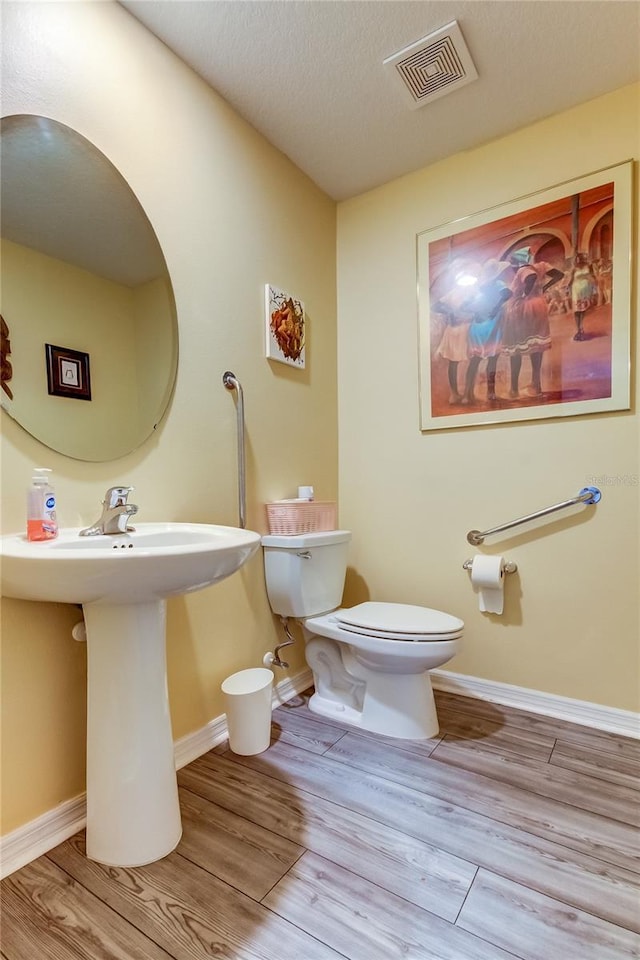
398	620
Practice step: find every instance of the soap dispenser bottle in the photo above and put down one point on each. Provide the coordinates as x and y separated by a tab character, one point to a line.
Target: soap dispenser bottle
41	507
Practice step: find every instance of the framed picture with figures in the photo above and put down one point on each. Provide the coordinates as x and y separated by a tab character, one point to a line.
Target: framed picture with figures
524	309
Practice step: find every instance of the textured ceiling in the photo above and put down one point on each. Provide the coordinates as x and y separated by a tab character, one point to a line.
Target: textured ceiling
61	196
308	74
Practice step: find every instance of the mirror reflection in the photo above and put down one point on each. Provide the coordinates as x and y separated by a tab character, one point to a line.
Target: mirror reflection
82	271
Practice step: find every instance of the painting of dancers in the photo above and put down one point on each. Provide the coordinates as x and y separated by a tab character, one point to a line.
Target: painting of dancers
524	310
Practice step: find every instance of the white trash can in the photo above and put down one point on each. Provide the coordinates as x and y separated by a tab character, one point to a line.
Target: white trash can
247	697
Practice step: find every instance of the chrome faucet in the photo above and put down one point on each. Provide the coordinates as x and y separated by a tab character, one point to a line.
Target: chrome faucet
115	513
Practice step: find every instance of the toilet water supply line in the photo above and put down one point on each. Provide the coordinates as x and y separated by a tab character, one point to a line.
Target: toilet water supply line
272	659
231	382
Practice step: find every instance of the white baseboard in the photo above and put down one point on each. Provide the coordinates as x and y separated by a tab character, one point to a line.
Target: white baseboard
30	841
626	723
23	845
47	831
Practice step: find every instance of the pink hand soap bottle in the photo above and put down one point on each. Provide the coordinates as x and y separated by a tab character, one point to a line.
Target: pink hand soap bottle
41	507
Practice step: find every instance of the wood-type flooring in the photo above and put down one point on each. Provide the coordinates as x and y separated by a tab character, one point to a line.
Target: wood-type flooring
509	836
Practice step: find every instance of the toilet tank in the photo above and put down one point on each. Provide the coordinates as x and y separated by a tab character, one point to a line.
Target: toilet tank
305	573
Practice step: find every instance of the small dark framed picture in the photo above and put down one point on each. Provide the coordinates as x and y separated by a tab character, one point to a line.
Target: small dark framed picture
68	372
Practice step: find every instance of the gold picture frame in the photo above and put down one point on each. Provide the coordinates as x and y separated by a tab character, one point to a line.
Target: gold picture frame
524	309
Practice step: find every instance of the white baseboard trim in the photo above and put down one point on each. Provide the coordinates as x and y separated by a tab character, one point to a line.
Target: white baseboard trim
25	844
626	723
30	841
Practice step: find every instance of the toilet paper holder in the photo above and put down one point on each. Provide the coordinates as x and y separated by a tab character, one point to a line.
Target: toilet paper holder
510	566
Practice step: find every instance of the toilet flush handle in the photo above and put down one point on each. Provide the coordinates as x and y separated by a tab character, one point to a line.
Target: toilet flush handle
304	554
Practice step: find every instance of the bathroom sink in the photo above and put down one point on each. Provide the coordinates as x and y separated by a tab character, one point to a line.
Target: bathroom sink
122	582
155	561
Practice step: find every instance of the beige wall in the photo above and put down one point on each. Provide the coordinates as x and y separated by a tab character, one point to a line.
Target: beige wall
227	209
570	625
231	214
45	300
153	346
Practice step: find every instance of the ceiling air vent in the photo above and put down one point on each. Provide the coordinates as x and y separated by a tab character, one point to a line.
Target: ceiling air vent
433	66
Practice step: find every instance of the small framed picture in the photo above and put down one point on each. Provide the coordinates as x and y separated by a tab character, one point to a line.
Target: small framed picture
67	372
285	327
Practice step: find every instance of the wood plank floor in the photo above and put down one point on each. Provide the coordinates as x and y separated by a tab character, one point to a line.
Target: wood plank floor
509	836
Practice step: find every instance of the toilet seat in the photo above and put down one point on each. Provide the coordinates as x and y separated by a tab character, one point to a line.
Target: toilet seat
399	621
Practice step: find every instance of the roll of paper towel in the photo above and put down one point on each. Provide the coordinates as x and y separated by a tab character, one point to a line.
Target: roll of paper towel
487	578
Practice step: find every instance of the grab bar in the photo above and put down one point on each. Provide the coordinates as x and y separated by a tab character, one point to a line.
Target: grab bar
587	495
231	382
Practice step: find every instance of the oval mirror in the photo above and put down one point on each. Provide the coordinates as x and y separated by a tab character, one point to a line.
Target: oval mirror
89	329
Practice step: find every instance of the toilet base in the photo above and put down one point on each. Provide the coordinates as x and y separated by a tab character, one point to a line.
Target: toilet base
397	705
333	710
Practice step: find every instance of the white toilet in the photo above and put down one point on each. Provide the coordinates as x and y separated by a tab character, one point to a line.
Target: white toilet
370	662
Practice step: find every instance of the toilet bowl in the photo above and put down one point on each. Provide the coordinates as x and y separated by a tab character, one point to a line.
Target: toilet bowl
382	664
370	662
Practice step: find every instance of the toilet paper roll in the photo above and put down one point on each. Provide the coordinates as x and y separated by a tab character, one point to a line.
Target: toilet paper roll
487	579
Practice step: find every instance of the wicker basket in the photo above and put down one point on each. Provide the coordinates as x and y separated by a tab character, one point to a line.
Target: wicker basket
290	517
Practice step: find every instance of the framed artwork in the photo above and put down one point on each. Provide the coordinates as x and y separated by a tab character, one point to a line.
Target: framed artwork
524	309
6	370
67	372
285	327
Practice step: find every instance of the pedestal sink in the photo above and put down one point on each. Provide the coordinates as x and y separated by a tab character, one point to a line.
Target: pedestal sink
122	582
